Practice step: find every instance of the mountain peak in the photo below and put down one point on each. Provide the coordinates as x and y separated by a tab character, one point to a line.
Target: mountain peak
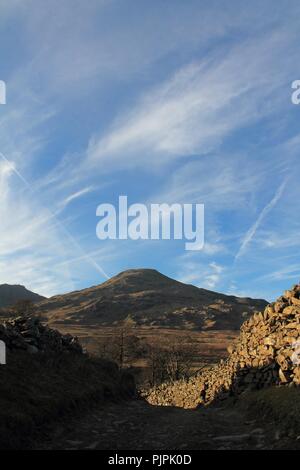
139	272
151	299
140	275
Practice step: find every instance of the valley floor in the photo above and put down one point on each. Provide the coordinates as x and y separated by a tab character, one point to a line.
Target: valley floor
136	425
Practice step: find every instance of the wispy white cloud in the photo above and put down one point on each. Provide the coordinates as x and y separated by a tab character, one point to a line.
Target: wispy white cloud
26	239
73	45
291	271
272	240
33	242
192	269
213	248
72	197
197	108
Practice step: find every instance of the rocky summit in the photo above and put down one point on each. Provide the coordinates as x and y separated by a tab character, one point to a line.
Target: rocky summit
266	353
28	334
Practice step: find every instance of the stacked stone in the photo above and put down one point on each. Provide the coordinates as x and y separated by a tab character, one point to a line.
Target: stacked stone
28	334
266	353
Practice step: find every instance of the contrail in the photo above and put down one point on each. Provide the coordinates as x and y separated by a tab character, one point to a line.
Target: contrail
69	235
251	232
13	168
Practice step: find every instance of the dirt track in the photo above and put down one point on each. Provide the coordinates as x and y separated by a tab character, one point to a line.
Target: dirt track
136	425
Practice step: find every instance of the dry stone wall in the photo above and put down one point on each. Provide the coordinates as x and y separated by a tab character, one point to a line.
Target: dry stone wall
266	353
29	334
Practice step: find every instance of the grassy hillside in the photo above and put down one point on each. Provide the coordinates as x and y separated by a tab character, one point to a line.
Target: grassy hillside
46	377
277	405
38	390
148	298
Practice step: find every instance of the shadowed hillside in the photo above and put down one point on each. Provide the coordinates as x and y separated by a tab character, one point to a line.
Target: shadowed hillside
48	377
10	294
149	298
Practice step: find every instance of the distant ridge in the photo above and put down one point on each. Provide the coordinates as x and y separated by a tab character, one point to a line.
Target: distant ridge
10	294
150	298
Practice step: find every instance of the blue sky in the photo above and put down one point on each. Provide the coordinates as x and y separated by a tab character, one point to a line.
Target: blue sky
163	101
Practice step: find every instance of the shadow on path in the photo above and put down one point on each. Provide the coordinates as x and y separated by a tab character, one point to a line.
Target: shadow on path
136	425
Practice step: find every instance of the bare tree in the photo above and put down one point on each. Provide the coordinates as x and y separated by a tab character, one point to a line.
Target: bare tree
170	362
157	362
123	346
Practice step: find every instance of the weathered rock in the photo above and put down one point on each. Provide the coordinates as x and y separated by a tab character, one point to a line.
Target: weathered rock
29	334
263	355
